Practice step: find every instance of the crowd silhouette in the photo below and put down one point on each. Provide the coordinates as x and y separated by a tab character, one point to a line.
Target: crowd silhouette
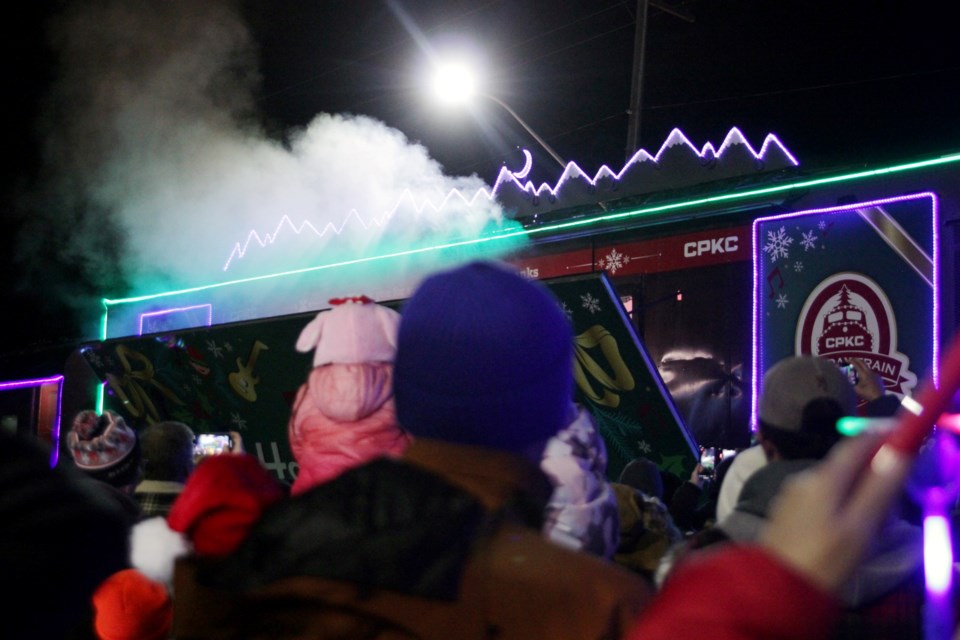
450	487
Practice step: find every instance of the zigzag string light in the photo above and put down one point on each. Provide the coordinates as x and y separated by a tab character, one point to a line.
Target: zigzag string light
623	215
572	170
734	137
239	250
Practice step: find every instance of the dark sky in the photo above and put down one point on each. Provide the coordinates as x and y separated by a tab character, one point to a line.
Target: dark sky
838	81
841	83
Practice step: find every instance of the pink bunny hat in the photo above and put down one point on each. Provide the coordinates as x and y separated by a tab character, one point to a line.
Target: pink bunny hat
356	330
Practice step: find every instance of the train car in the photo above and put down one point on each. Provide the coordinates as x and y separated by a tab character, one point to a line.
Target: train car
700	266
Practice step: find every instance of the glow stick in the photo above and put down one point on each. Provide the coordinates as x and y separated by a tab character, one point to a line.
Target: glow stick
930	402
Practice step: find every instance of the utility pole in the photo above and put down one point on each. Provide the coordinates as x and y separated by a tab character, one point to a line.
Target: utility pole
636	91
639	45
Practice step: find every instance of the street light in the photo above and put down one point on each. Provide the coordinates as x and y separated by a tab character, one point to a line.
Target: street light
455	84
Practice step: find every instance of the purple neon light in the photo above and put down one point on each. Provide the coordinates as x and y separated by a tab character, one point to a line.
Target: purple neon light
676	137
937	553
39	382
937	568
757	247
153	314
406	197
20	384
572	170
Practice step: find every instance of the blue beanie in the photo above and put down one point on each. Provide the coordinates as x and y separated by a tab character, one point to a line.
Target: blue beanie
484	357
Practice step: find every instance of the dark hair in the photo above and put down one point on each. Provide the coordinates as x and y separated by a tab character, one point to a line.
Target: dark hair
817	435
167	449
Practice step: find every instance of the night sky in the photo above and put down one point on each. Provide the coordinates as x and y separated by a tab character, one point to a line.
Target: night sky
847	84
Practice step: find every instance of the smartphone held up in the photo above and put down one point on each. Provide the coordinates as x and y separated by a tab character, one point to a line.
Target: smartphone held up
212	444
850	371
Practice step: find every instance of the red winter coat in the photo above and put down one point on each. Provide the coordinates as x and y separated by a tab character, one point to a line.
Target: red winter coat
737	592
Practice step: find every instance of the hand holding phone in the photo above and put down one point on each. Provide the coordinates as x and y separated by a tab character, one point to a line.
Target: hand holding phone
850	371
708	463
211	444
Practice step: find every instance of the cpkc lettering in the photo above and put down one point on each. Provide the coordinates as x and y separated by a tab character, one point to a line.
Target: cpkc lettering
711	246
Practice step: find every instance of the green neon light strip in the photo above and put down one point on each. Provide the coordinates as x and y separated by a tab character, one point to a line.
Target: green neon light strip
855	425
634	213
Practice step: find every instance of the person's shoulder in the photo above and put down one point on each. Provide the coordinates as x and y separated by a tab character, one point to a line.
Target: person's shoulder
747	461
566	593
547	562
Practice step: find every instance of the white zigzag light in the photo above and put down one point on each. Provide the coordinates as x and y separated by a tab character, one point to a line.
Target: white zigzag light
572	170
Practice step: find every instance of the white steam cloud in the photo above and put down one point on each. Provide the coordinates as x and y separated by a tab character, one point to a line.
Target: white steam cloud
158	170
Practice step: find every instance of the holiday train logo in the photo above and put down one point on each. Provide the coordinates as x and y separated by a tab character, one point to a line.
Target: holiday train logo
848	315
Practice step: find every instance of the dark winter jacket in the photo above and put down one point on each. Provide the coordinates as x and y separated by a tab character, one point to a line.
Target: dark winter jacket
443	544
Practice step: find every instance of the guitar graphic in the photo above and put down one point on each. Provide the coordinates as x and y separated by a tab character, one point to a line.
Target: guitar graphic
243	381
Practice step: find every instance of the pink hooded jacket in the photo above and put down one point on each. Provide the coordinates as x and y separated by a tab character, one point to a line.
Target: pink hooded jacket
343	415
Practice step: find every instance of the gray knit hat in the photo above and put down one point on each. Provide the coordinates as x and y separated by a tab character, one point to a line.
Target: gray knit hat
104	447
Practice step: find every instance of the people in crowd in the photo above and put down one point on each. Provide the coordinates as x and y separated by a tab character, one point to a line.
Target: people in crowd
786	584
168	458
105	448
344	415
581	513
60	537
872	401
221	500
743	464
155	546
693	504
446	541
644	475
108	451
647	530
801	401
130	606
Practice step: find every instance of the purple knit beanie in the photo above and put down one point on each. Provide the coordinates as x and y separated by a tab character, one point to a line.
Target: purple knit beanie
484	357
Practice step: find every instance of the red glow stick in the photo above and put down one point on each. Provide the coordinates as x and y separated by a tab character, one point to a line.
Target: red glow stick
909	434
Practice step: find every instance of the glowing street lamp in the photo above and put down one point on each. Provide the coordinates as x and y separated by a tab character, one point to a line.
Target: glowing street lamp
455	84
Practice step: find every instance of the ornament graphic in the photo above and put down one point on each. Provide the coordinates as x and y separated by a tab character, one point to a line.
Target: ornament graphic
848	315
845	327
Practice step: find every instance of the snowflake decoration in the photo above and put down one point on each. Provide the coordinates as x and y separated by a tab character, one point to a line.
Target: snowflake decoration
778	244
613	261
782	301
822	225
798	266
228	346
214	349
237	420
197	380
809	240
644	447
590	303
566	309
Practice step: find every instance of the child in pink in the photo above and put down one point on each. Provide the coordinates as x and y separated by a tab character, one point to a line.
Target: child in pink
343	415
